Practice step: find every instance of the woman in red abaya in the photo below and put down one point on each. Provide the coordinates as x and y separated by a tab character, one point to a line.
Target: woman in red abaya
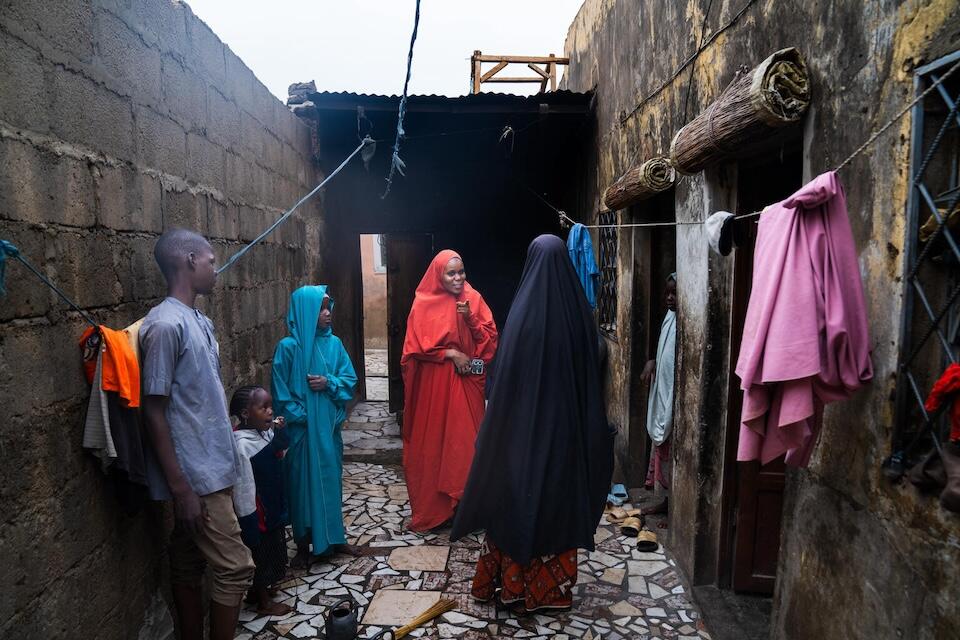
449	325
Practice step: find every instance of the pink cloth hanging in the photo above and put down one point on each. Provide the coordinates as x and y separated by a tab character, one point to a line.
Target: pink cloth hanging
805	337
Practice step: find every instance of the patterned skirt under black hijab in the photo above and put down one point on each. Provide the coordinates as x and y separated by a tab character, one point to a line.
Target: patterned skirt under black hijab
270	556
544	583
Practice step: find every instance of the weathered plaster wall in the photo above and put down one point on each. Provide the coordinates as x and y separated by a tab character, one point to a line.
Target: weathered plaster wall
859	558
120	119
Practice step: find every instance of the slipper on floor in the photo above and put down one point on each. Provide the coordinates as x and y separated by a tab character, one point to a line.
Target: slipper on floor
631	527
618	495
618	514
647	541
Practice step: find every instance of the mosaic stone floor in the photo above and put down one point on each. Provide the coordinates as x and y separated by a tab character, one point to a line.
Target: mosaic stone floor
376	362
621	592
376	367
371	434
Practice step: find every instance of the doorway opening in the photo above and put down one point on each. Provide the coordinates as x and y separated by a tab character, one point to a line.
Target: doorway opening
653	260
753	493
373	262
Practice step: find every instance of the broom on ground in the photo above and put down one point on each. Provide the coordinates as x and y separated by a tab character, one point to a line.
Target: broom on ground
440	608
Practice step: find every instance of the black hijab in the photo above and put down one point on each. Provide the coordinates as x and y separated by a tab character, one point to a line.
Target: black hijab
544	453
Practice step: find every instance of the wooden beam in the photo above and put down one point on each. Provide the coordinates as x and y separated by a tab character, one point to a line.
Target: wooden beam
475	71
543	74
515	79
552	69
523	59
489	74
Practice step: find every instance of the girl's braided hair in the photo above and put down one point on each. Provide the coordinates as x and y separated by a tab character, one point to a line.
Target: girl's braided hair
241	399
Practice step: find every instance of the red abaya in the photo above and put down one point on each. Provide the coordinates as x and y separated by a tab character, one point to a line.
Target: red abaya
442	409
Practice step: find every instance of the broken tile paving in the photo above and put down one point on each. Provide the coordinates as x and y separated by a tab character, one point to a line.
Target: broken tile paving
620	593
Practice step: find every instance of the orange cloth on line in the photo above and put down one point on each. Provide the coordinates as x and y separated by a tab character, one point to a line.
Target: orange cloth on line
120	368
442	409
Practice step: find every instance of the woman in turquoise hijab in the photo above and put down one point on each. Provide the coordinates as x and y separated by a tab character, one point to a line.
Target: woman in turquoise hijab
313	380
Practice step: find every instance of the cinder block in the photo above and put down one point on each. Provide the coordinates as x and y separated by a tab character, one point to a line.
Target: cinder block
240	181
206	51
184	93
205	162
302	142
65	25
252	222
223	219
161	142
128	201
159	24
122	55
44	367
139	276
38	186
84	266
24	100
240	80
263	106
223	125
26	295
184	210
251	136
86	113
273	154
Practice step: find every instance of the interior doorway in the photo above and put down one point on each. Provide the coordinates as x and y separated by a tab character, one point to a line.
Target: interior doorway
654	259
753	493
374	276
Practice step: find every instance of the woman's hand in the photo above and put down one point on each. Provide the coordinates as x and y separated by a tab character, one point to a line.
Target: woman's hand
463	308
460	361
647	375
317	383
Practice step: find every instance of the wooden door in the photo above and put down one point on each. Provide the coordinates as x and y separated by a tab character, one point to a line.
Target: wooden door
758	489
407	258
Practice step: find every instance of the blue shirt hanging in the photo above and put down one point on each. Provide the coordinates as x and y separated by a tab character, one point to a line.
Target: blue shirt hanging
580	248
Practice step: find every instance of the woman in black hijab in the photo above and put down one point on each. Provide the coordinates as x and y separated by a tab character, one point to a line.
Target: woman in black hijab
544	453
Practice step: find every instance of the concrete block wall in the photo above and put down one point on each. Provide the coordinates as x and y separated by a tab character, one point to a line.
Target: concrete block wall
120	119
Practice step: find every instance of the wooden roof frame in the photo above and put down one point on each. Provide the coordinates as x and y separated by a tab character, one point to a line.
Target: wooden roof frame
545	68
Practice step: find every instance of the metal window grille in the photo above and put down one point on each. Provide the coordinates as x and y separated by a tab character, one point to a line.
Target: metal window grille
607	294
930	331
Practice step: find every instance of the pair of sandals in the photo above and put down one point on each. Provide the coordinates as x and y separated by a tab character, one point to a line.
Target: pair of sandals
631	525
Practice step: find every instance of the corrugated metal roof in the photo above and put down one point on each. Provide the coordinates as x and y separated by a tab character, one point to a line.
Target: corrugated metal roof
560	101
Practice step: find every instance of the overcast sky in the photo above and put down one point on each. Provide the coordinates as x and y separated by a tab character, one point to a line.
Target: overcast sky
361	45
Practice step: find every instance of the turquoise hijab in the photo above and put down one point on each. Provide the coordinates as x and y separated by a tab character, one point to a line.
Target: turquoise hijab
305	306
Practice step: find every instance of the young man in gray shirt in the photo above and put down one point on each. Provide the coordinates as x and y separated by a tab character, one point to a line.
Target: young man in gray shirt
194	459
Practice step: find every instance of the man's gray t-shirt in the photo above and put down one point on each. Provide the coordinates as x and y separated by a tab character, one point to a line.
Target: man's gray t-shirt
181	360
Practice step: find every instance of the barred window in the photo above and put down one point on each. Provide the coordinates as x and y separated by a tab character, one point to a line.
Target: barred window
930	331
607	293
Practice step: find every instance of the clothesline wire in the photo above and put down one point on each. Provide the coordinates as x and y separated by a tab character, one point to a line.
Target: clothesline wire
8	249
290	211
859	150
396	164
